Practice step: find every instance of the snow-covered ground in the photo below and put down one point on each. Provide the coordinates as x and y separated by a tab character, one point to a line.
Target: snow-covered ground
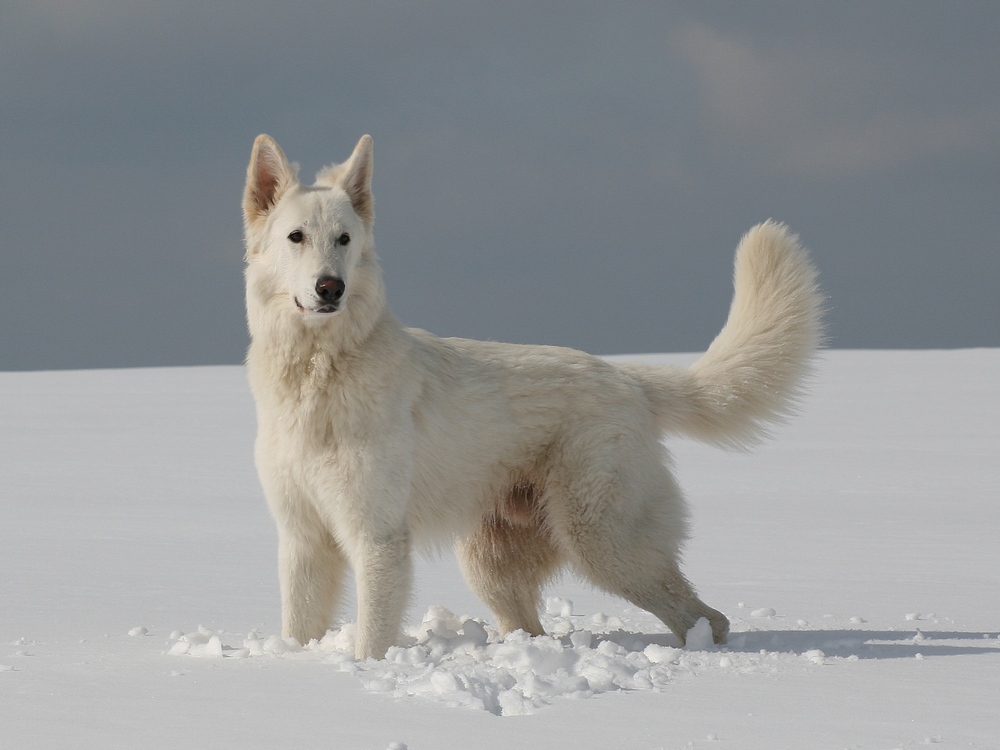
858	556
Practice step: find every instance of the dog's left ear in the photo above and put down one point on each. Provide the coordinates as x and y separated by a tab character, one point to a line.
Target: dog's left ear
268	177
357	179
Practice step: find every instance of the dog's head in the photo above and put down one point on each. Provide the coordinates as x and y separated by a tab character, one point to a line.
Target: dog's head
309	249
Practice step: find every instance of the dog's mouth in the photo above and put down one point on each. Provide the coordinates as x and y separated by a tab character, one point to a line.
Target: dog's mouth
324	309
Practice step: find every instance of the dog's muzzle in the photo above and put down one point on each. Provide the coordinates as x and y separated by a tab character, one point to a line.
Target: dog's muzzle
330	291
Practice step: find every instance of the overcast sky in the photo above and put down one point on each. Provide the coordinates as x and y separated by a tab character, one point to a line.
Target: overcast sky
545	172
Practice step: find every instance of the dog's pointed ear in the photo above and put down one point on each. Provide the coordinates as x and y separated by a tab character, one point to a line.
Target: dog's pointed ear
268	177
357	179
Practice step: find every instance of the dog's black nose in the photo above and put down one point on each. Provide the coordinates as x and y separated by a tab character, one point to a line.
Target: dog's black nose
330	288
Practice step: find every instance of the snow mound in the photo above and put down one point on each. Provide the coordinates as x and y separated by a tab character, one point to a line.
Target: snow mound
461	662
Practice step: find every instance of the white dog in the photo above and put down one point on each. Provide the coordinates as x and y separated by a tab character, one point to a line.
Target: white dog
375	438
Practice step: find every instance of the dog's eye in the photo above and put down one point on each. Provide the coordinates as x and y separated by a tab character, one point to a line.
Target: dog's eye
344	239
296	236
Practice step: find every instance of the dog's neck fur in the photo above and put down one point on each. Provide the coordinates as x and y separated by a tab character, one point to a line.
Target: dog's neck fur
294	352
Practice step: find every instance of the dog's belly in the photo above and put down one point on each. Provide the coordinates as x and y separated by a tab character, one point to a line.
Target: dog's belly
448	500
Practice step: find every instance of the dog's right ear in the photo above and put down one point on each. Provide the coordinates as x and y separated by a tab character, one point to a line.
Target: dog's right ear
268	177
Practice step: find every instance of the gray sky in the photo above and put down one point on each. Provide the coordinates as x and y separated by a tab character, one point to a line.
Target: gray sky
565	173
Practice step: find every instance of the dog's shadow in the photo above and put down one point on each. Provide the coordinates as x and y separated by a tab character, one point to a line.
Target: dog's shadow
863	644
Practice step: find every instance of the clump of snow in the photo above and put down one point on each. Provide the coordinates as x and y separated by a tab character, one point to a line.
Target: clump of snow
815	656
699	637
558	606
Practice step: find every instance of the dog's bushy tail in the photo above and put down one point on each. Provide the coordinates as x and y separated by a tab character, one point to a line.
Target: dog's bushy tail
753	371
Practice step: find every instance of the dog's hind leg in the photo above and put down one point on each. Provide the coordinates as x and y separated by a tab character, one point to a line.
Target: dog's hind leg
666	593
622	526
650	578
506	564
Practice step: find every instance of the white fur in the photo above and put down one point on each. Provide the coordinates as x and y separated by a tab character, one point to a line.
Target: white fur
374	438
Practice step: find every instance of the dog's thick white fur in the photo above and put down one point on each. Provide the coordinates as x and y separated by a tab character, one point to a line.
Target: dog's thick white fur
375	439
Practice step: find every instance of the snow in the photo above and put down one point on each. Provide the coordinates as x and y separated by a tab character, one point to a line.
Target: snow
461	661
856	556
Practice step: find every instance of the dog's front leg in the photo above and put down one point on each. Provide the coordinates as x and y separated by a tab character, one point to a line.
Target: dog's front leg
311	570
384	573
311	564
